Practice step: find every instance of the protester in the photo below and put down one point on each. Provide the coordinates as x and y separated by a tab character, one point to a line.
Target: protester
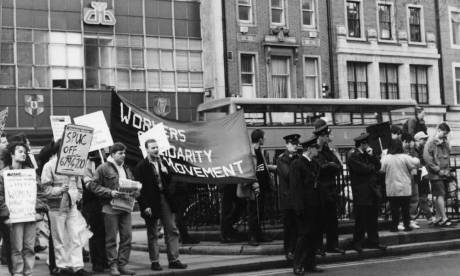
22	234
63	192
232	207
437	158
4	231
397	167
256	205
415	124
303	178
105	184
181	196
155	204
286	203
396	132
364	166
330	168
422	180
92	211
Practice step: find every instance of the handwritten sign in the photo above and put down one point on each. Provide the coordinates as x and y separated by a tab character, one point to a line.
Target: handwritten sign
158	133
73	153
3	118
57	125
96	120
20	194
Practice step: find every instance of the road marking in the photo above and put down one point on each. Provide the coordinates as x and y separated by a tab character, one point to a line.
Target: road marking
358	263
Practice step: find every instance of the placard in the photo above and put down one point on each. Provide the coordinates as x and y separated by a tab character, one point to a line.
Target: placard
20	194
73	154
96	120
158	133
3	118
57	125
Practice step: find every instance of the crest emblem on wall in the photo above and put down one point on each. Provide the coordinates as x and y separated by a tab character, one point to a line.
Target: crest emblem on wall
34	104
162	106
98	14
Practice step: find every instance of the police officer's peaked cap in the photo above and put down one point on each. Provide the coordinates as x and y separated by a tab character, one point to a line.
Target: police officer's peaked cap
311	142
362	137
321	127
292	138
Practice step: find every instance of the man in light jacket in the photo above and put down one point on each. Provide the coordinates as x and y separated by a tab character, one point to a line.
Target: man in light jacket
437	157
105	185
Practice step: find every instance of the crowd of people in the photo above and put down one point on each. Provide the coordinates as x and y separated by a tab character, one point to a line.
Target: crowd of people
413	166
69	203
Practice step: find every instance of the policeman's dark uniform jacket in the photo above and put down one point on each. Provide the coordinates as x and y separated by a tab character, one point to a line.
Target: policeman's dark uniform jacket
366	194
330	168
303	179
283	163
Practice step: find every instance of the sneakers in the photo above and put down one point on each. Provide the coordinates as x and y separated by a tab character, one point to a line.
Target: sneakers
82	272
114	271
414	225
400	226
177	265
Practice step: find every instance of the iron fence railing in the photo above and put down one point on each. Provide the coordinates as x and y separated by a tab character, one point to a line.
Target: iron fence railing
204	209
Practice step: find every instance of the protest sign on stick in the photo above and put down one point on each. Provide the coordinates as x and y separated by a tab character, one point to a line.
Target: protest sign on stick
73	154
20	194
57	125
102	137
158	133
3	118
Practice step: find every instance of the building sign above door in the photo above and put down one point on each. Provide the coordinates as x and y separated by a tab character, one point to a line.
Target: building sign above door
99	14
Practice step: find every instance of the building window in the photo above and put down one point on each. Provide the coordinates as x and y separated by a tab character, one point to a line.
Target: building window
248	73
311	77
308	13
353	19
277	12
280	77
457	83
99	62
66	60
415	26
357	80
455	25
419	83
245	11
389	81
385	22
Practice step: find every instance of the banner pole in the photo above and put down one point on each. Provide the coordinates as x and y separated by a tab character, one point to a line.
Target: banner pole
101	155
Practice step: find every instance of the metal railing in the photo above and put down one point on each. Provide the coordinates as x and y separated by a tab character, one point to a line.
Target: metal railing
204	209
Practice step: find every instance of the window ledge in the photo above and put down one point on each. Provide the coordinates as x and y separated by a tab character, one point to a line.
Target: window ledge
417	43
361	39
455	46
309	28
393	41
246	24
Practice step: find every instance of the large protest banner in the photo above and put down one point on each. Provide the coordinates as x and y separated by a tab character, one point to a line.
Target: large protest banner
73	154
213	152
20	194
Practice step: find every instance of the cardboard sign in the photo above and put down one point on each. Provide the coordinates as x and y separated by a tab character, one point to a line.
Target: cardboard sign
3	118
96	120
158	133
73	153
57	125
20	194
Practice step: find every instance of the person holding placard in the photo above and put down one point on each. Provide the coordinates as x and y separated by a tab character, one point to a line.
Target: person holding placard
22	234
63	192
106	185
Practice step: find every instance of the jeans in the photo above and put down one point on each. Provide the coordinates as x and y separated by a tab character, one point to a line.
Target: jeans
414	199
22	238
114	224
67	248
171	234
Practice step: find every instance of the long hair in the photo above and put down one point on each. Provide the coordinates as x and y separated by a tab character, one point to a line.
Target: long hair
396	147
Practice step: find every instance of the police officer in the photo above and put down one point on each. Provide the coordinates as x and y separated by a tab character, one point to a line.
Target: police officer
330	168
303	179
286	204
364	166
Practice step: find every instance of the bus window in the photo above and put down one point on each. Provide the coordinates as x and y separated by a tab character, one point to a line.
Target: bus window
255	119
399	116
371	118
342	119
356	119
281	118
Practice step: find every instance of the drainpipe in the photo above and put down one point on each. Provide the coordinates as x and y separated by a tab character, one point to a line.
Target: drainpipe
330	37
224	32
438	44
